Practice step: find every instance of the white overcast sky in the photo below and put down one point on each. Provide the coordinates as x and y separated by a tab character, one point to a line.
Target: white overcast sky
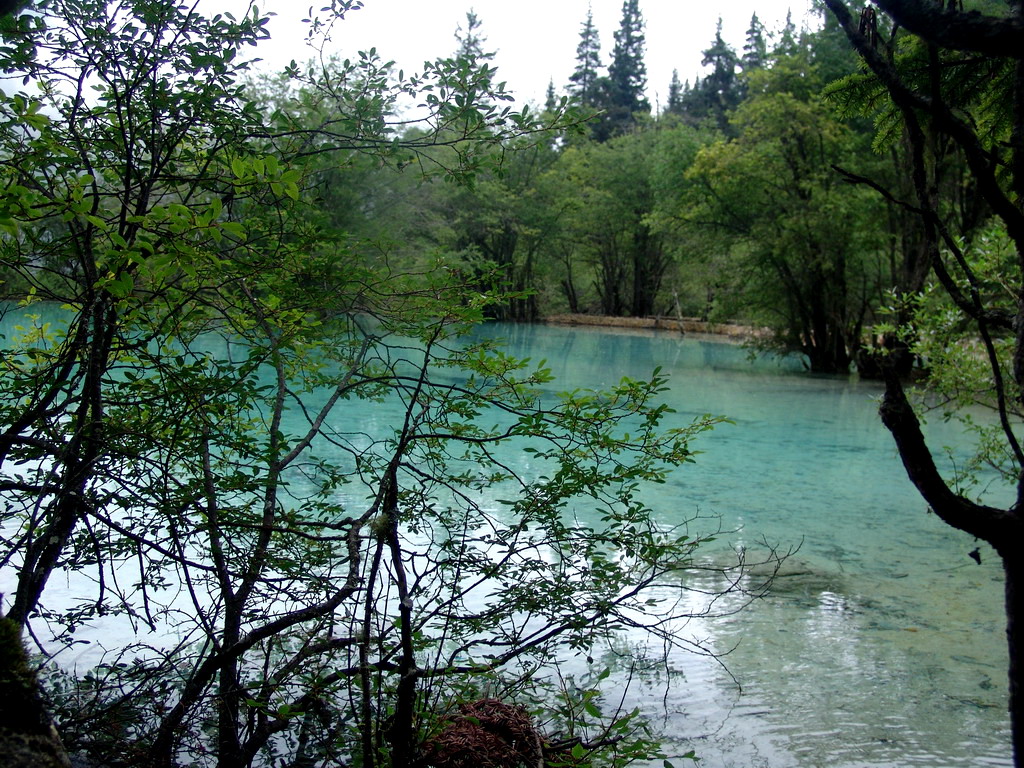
535	40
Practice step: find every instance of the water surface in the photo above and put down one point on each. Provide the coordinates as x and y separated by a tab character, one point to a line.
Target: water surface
882	642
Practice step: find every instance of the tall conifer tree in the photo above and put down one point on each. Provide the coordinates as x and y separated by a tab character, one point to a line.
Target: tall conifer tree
787	45
627	72
470	53
471	41
755	50
721	86
583	83
550	100
675	95
621	93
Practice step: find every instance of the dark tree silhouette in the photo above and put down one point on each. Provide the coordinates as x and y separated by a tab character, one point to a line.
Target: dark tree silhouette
675	103
627	71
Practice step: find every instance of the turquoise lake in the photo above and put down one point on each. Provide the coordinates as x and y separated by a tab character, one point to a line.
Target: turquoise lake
882	644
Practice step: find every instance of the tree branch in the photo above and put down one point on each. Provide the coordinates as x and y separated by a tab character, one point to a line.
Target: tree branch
996	526
957	30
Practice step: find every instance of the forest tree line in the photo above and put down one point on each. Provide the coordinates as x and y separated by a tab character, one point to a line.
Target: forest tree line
734	202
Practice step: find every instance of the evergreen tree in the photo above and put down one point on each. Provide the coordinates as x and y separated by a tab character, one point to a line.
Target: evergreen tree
691	104
675	95
474	61
787	45
755	50
583	83
550	99
627	72
471	41
621	93
721	89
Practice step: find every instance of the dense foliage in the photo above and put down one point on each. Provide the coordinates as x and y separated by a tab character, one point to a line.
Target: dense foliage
619	215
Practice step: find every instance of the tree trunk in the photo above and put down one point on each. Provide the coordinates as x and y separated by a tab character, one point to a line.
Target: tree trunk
27	736
1013	566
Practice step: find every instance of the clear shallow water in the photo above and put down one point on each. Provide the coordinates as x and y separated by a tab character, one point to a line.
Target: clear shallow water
882	645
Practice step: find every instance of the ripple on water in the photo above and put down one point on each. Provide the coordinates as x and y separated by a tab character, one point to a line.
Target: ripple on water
840	669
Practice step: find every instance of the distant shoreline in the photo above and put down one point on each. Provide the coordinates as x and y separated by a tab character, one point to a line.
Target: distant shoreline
680	325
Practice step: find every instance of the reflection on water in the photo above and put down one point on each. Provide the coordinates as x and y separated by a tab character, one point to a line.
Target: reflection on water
881	641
